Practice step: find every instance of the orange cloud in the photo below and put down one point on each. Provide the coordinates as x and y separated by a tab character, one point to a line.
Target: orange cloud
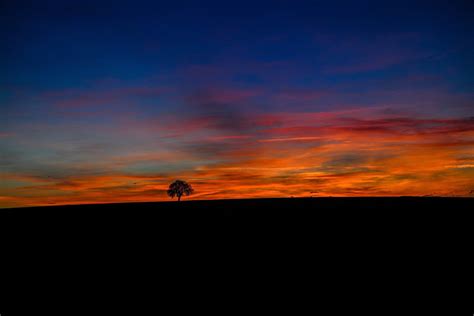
346	153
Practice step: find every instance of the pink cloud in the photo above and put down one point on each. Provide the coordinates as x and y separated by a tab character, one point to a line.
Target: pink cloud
218	94
375	62
300	95
361	54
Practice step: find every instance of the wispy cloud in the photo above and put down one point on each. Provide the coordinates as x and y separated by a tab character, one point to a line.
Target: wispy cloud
351	152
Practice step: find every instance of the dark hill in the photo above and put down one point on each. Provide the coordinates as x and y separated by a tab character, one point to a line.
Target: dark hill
164	252
352	214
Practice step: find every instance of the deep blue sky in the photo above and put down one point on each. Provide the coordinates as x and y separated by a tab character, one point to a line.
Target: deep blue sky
48	44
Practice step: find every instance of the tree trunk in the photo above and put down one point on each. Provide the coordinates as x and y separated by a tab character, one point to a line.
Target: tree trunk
179	198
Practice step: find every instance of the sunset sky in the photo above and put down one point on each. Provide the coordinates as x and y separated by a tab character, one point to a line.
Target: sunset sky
111	101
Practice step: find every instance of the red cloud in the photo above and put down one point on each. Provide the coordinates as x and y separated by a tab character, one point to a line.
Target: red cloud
352	152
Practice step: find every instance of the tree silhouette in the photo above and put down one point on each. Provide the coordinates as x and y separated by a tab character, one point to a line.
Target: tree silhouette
178	188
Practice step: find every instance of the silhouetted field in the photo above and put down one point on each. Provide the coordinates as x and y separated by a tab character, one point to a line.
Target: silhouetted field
147	224
270	206
383	241
155	216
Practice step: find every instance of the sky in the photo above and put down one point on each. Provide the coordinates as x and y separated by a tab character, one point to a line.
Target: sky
111	101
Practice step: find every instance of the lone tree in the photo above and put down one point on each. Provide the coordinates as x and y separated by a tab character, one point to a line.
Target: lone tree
178	188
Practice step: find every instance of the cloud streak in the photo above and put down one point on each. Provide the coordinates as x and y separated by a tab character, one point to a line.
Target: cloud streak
242	154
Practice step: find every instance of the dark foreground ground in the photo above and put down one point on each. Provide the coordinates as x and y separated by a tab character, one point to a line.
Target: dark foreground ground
328	213
343	252
258	207
343	215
